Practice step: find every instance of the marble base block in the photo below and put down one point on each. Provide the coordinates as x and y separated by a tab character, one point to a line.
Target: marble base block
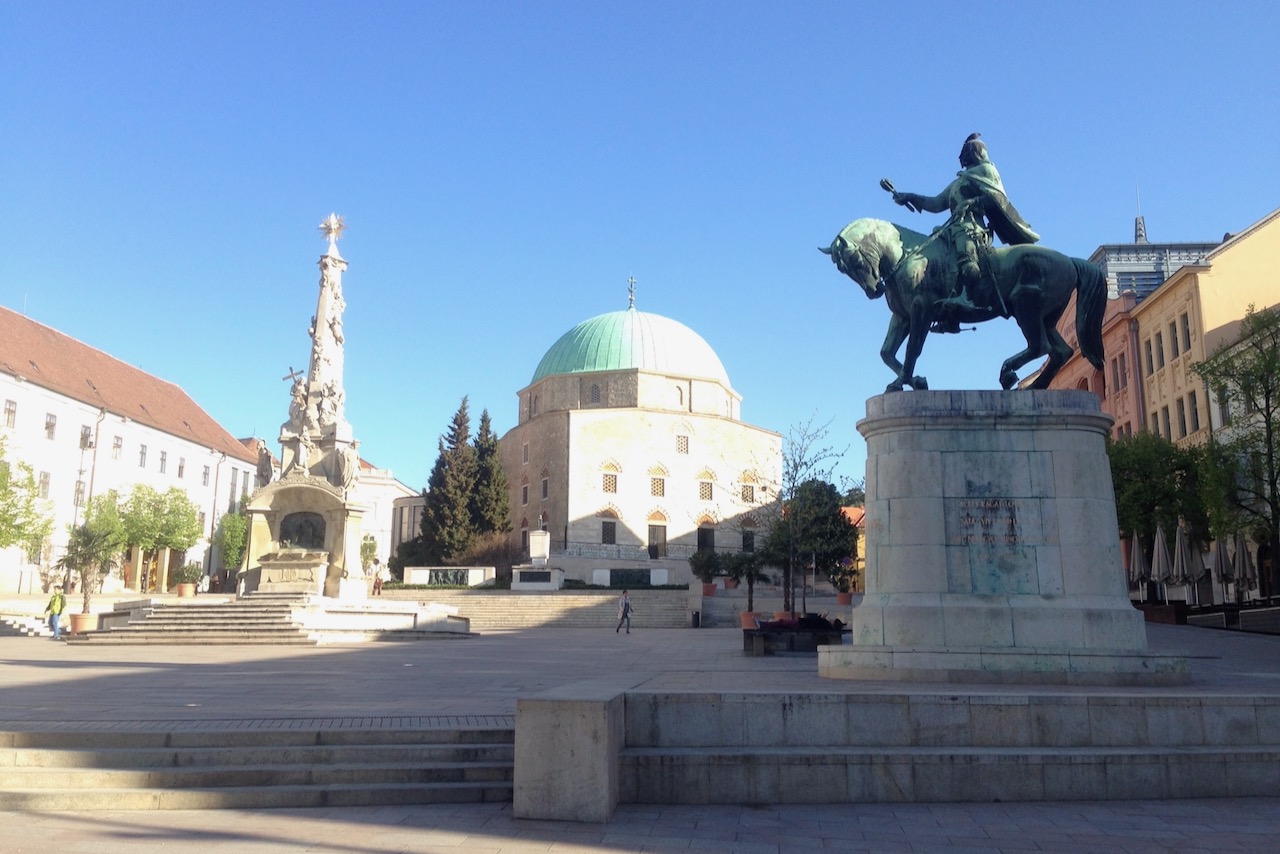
992	545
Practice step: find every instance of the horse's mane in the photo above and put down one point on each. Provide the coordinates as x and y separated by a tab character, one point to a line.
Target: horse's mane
910	239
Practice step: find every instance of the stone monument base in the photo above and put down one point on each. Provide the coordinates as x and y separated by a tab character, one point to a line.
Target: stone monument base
993	552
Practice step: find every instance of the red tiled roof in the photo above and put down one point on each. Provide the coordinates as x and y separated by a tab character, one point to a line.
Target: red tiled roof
60	363
854	515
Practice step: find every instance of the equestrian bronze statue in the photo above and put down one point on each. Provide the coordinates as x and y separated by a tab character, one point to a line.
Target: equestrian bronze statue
937	282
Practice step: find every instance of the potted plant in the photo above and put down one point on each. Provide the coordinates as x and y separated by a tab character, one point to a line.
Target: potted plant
705	564
748	567
844	577
186	578
91	553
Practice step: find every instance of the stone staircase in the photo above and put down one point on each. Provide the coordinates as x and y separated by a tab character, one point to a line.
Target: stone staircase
493	610
945	747
12	625
261	618
255	769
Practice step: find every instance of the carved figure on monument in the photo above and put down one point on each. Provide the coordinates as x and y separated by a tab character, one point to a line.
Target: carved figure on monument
297	406
348	460
266	470
917	275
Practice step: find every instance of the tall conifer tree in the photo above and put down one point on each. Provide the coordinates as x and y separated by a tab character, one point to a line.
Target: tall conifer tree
447	527
490	502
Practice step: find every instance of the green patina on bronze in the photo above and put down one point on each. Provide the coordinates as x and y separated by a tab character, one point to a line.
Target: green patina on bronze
954	275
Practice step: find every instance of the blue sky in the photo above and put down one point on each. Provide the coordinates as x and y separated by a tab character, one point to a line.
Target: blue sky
504	167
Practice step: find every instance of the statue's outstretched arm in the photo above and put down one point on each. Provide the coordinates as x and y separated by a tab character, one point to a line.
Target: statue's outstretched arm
915	201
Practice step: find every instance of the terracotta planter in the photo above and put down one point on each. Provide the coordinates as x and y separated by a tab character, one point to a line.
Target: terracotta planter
844	598
748	618
709	589
186	590
81	623
731	584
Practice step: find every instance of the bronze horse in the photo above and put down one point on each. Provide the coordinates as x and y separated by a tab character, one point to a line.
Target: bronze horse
1028	283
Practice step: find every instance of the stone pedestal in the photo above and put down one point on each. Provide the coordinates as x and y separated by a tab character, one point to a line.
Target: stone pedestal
992	547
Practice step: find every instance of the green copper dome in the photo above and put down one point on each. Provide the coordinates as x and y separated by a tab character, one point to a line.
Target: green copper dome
627	339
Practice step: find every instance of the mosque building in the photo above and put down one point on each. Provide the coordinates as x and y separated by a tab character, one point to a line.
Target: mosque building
631	453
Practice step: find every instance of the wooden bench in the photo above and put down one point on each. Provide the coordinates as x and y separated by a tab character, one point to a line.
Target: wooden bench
769	641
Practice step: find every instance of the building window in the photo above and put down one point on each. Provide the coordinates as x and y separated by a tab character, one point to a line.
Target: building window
117	447
682	444
1224	406
610	483
50	425
524	540
1164	420
609	533
546	488
44	484
1186	332
657	541
10	412
200	518
524	494
86	437
1115	373
204	478
524	453
704	490
706	539
142	456
1146	346
1182	419
595	393
1194	410
79	499
1155	423
748	541
164	461
182	467
657	487
1173	339
543	521
748	493
234	477
1159	348
1124	372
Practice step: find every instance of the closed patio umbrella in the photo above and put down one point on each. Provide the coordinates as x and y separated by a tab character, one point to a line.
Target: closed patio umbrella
1161	563
1181	558
1139	569
1246	571
1224	569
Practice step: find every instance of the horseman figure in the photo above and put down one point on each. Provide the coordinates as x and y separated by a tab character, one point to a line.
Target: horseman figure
979	207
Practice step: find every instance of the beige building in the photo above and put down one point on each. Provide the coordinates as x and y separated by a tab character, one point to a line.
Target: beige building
1197	309
631	452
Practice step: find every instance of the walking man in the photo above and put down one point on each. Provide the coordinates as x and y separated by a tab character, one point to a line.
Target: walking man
624	613
57	604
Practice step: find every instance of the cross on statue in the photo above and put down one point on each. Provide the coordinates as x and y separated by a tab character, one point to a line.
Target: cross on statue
631	291
332	227
292	375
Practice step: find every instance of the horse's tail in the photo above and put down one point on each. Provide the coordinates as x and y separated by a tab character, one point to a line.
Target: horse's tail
1091	304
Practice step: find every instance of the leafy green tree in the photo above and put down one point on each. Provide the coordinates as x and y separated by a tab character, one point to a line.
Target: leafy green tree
814	530
1156	485
447	526
490	501
179	521
368	551
153	521
806	457
25	519
748	567
230	538
1245	467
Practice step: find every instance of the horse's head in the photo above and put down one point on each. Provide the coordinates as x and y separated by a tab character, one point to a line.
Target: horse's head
857	255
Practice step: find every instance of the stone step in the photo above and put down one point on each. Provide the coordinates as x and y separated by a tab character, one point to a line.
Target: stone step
241	775
207	769
23	626
250	797
832	774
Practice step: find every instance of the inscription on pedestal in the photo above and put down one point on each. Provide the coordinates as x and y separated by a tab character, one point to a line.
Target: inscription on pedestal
994	522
